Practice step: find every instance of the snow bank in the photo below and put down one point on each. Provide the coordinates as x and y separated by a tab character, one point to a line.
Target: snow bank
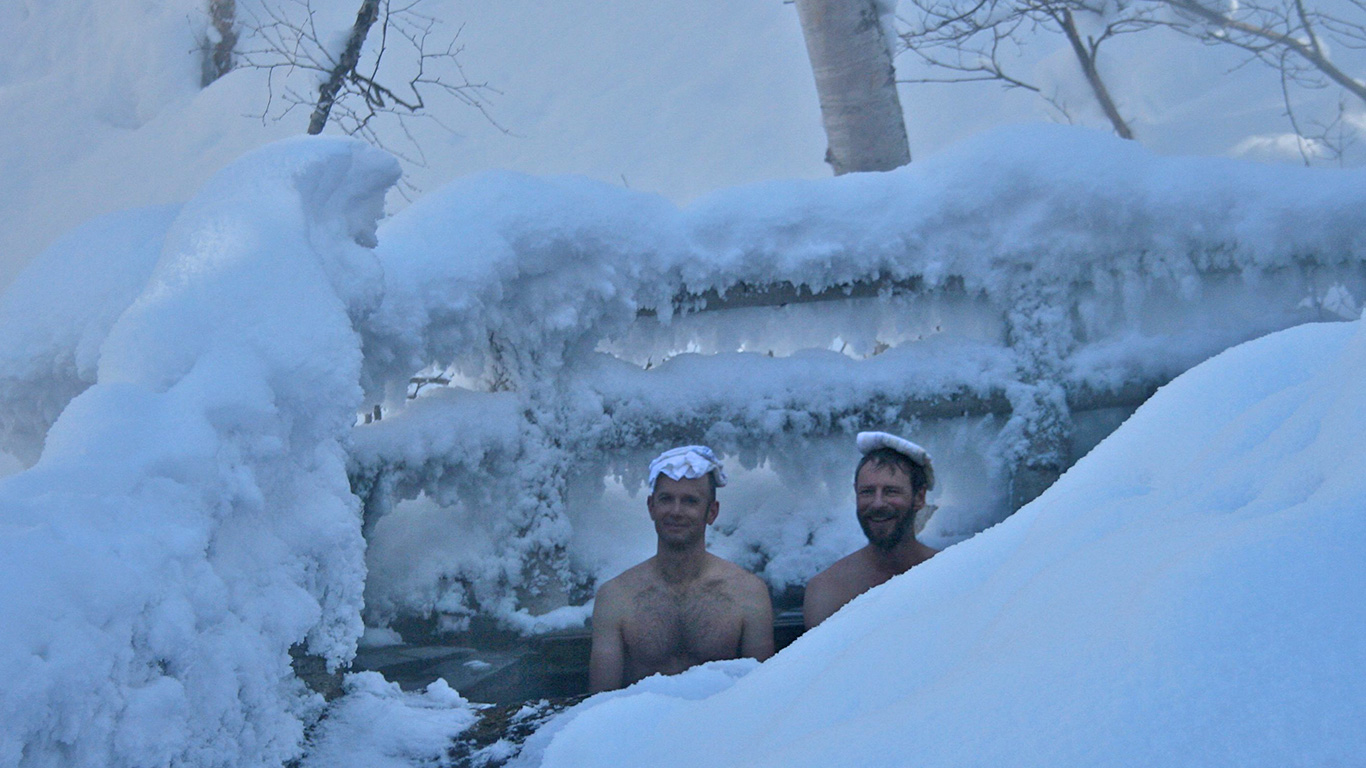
375	725
50	339
1016	293
1189	593
190	518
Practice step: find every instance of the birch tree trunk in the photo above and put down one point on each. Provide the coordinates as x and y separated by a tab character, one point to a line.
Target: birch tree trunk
856	85
218	54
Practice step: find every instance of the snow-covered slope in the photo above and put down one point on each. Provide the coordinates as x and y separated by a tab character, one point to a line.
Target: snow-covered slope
1188	594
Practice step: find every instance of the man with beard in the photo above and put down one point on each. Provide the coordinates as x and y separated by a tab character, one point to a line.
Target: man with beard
889	488
684	606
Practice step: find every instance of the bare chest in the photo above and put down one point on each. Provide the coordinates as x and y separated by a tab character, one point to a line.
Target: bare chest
671	630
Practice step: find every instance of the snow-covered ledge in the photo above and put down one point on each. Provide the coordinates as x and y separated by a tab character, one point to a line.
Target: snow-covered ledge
1010	301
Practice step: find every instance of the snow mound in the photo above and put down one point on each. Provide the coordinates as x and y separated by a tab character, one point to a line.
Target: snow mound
190	518
1189	593
50	339
378	726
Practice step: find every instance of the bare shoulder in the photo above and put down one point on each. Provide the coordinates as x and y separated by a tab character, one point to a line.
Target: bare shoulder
840	571
642	575
615	593
830	589
741	581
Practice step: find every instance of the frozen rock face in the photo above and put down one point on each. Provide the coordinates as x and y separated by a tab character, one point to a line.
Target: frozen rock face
190	519
1006	304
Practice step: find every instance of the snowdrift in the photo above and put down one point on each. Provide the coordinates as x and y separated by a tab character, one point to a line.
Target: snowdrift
190	519
1187	594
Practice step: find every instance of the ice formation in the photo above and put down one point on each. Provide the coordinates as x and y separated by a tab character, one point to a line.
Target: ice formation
1005	304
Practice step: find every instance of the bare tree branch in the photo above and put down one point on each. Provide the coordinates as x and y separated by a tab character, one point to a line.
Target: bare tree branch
970	40
1086	56
976	40
1265	29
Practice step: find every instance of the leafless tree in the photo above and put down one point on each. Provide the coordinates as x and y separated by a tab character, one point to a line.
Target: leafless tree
974	40
977	40
1296	39
390	69
1286	34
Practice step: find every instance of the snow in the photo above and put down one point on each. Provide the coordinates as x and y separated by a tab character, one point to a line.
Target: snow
190	518
102	109
191	515
375	725
51	339
1186	594
102	105
699	683
194	313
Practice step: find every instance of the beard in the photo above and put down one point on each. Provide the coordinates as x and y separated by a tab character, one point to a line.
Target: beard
889	539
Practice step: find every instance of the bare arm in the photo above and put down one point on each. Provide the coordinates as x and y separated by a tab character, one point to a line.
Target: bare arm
756	634
607	661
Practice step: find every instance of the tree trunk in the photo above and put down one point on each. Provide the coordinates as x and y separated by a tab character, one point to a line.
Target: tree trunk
856	84
327	92
218	55
1086	56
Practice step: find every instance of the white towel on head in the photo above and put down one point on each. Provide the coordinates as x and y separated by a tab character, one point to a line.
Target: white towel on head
687	461
871	441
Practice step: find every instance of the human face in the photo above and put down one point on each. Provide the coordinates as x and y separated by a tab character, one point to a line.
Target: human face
682	510
886	504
